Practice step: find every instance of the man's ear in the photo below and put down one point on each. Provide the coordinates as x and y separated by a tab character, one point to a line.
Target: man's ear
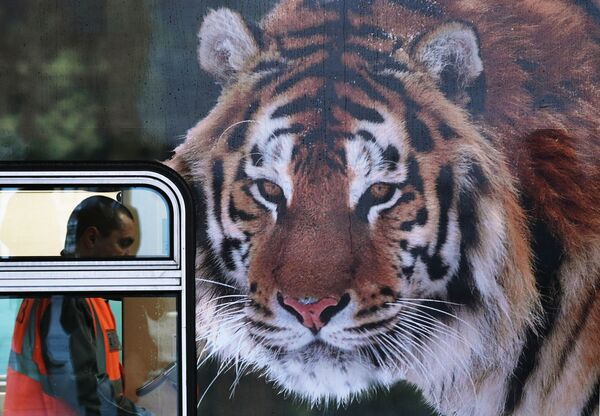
89	238
450	53
226	44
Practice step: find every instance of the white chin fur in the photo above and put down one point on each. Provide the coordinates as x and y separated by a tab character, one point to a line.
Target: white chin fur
324	381
309	374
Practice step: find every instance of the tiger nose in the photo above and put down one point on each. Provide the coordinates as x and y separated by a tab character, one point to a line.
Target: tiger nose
313	313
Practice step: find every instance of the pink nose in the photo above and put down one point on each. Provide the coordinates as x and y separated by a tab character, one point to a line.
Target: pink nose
313	314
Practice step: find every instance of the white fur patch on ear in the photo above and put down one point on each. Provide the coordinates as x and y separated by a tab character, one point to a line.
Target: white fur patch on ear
451	55
226	44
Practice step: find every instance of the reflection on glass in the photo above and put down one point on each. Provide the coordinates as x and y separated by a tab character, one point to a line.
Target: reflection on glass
66	357
84	223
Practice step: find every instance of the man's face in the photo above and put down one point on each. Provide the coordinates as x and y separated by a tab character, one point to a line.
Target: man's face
116	244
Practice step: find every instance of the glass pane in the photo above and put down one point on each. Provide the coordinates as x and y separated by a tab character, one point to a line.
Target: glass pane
53	362
84	223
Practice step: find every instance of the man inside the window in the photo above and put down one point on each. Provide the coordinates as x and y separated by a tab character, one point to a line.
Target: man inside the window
65	349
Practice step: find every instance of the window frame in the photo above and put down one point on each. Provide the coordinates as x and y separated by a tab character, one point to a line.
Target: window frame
174	274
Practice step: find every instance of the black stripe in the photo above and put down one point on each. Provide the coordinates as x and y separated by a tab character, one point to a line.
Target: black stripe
366	54
418	132
477	177
246	190
358	81
413	175
316	70
328	71
266	80
217	187
406	197
237	214
391	157
296	106
260	308
593	401
444	188
302	52
210	264
229	245
389	65
462	288
420	219
372	325
264	326
293	129
238	136
574	335
257	34
436	268
268	66
240	173
366	135
446	131
361	112
322	29
391	82
320	70
468	218
549	253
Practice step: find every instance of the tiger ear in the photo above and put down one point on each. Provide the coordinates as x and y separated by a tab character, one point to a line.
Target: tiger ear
450	53
226	44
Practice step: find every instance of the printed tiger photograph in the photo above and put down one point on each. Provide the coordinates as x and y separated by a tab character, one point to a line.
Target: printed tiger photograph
398	198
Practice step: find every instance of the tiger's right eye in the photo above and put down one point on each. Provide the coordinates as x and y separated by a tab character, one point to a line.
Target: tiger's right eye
381	192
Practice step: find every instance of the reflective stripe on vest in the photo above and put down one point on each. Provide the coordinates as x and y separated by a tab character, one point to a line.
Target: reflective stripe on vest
108	361
24	362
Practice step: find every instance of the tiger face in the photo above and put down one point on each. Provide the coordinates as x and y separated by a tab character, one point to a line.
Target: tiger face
354	221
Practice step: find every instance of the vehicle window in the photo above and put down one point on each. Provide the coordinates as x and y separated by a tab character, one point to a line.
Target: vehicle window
35	221
139	341
96	290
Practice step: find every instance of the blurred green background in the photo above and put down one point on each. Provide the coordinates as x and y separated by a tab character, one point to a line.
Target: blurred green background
119	80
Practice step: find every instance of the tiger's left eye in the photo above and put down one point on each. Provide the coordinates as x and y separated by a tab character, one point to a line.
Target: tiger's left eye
270	191
381	192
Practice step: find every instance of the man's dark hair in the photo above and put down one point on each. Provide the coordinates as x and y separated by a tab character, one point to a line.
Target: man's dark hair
96	211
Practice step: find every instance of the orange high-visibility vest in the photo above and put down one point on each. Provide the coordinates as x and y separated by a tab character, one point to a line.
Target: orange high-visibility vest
29	390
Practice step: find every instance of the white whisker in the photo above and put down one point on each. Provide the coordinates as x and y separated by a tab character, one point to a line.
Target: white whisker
420	305
214	282
438	325
229	128
441	343
224	367
431	300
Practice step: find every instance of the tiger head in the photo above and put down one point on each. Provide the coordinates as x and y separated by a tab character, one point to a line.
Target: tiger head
355	225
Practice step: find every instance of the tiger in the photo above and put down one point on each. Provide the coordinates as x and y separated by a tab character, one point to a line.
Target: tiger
403	190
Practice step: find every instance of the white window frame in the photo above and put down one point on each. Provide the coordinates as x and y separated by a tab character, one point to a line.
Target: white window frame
172	275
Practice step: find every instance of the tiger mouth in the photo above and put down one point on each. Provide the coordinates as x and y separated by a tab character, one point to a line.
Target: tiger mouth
319	350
